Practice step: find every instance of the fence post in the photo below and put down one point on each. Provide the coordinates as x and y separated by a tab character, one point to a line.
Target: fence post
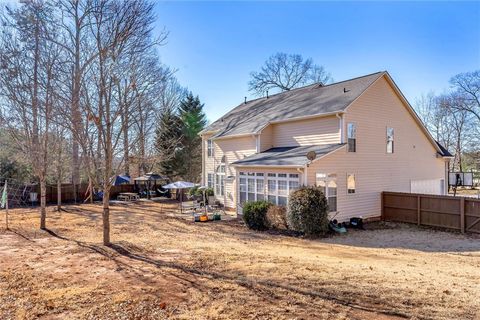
418	210
462	214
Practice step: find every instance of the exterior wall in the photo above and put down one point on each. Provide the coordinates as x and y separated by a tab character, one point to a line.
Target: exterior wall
233	149
316	131
266	138
414	156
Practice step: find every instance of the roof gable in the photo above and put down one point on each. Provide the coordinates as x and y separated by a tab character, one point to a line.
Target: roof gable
312	100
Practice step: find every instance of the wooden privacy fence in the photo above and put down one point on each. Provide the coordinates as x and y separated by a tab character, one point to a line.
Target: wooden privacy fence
459	213
68	192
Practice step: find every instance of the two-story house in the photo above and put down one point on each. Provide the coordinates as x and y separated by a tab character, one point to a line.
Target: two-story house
354	139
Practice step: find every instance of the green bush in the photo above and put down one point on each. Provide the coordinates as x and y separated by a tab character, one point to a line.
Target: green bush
254	214
308	211
276	218
209	192
193	191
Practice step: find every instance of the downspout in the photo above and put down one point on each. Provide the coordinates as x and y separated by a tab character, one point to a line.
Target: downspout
340	124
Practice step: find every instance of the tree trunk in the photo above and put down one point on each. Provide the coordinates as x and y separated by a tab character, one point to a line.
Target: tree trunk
43	204
76	114
106	217
59	195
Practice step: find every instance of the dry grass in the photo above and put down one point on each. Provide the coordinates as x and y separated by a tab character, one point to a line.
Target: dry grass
166	267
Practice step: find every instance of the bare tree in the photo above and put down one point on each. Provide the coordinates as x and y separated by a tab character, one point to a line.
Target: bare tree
459	125
467	85
118	28
286	71
28	78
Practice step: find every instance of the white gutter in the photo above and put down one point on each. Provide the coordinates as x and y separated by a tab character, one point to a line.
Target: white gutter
265	166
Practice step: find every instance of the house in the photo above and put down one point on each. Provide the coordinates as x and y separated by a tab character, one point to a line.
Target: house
361	136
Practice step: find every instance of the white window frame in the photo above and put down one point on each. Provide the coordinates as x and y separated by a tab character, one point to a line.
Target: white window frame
210	180
220	180
390	139
292	181
328	178
352	136
210	148
351	190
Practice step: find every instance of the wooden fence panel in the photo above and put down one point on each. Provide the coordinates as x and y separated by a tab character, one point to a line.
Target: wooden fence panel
457	213
440	212
402	208
68	192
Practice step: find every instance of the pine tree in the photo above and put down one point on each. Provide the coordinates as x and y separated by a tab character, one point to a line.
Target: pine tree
193	120
168	142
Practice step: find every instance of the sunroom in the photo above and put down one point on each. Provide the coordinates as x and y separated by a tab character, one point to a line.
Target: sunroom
272	175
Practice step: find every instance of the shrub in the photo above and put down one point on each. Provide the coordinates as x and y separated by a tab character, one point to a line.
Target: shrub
254	214
209	192
308	211
193	191
276	218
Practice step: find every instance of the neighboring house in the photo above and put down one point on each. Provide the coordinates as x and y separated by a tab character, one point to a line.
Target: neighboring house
365	135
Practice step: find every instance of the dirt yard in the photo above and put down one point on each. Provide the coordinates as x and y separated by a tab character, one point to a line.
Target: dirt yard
165	267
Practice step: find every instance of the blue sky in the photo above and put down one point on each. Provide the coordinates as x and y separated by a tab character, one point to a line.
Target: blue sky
215	45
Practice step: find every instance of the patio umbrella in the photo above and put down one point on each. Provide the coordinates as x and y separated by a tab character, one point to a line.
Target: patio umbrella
180	185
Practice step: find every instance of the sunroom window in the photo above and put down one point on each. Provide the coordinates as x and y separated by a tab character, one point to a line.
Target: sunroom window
278	186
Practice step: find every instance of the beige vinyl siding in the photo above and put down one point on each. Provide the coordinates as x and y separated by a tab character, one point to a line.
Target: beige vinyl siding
266	138
322	130
414	156
234	149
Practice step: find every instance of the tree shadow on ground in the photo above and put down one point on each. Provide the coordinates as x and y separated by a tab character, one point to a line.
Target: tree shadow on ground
189	275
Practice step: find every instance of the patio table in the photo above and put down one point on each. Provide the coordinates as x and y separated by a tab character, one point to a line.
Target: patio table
129	195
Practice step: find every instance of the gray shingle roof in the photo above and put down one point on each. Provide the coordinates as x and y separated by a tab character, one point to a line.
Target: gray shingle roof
444	152
286	156
311	100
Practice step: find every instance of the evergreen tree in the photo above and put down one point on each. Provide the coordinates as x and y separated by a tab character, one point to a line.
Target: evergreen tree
193	120
168	142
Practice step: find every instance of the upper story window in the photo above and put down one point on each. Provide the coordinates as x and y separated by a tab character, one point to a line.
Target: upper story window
390	137
209	148
352	137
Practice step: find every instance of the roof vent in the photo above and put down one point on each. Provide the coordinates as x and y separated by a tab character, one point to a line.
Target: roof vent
245	100
267	94
345	90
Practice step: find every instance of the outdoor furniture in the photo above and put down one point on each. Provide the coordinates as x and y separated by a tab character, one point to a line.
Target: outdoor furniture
128	196
148	183
123	197
180	185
